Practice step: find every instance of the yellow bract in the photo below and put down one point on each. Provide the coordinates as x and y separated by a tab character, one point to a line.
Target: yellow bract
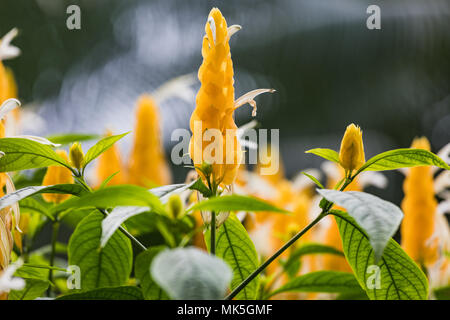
57	175
148	164
419	206
351	154
215	102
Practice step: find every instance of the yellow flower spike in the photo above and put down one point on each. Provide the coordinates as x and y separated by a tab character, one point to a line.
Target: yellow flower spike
148	163
110	163
351	154
76	155
215	104
57	175
419	207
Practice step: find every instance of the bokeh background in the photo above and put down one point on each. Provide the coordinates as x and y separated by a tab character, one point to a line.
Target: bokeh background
328	68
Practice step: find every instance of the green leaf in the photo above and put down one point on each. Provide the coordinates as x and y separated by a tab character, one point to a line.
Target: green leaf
234	245
191	274
100	267
23	154
314	179
321	281
403	158
325	153
442	293
34	288
100	147
67	138
305	249
114	219
235	203
113	293
108	197
398	277
199	186
380	219
13	197
150	289
32	205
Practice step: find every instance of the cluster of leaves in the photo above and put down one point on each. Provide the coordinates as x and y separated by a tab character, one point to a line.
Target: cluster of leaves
128	244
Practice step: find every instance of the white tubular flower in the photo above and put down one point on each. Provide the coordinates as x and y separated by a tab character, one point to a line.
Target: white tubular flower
249	98
372	178
8	51
8	282
179	87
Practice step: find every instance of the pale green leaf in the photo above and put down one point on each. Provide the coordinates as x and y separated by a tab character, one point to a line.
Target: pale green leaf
380	219
100	147
191	274
67	138
325	153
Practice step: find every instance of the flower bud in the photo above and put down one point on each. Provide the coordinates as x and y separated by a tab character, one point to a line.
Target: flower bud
76	155
175	206
351	155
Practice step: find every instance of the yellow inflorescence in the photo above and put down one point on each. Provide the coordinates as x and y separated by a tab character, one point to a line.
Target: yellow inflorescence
351	154
148	164
57	175
215	101
419	206
110	163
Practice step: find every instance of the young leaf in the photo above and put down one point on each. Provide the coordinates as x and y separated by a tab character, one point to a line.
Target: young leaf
34	288
325	153
314	179
23	154
117	216
164	192
191	274
32	205
396	277
234	245
100	267
235	203
100	147
321	281
67	138
380	219
403	158
150	289
108	197
201	187
113	293
13	197
309	248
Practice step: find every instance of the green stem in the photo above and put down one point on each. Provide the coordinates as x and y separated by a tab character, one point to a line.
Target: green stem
273	257
55	231
213	233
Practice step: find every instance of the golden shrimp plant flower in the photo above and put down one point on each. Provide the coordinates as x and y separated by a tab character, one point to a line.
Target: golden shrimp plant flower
214	140
57	175
351	154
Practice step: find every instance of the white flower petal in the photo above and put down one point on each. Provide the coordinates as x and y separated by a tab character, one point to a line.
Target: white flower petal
331	170
212	24
7	106
10	188
233	29
8	282
444	154
301	182
442	182
8	51
248	98
372	178
179	87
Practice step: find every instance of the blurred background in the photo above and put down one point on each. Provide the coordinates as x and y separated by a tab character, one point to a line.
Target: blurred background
328	69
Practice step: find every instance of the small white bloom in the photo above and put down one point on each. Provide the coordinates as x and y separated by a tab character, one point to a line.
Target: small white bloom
8	282
8	51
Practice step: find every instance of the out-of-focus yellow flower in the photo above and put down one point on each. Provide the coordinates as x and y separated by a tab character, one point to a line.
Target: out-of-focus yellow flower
109	163
270	158
351	154
419	207
57	175
76	155
214	139
148	164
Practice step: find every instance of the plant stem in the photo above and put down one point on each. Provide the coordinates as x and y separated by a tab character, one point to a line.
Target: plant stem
55	231
213	233
274	256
